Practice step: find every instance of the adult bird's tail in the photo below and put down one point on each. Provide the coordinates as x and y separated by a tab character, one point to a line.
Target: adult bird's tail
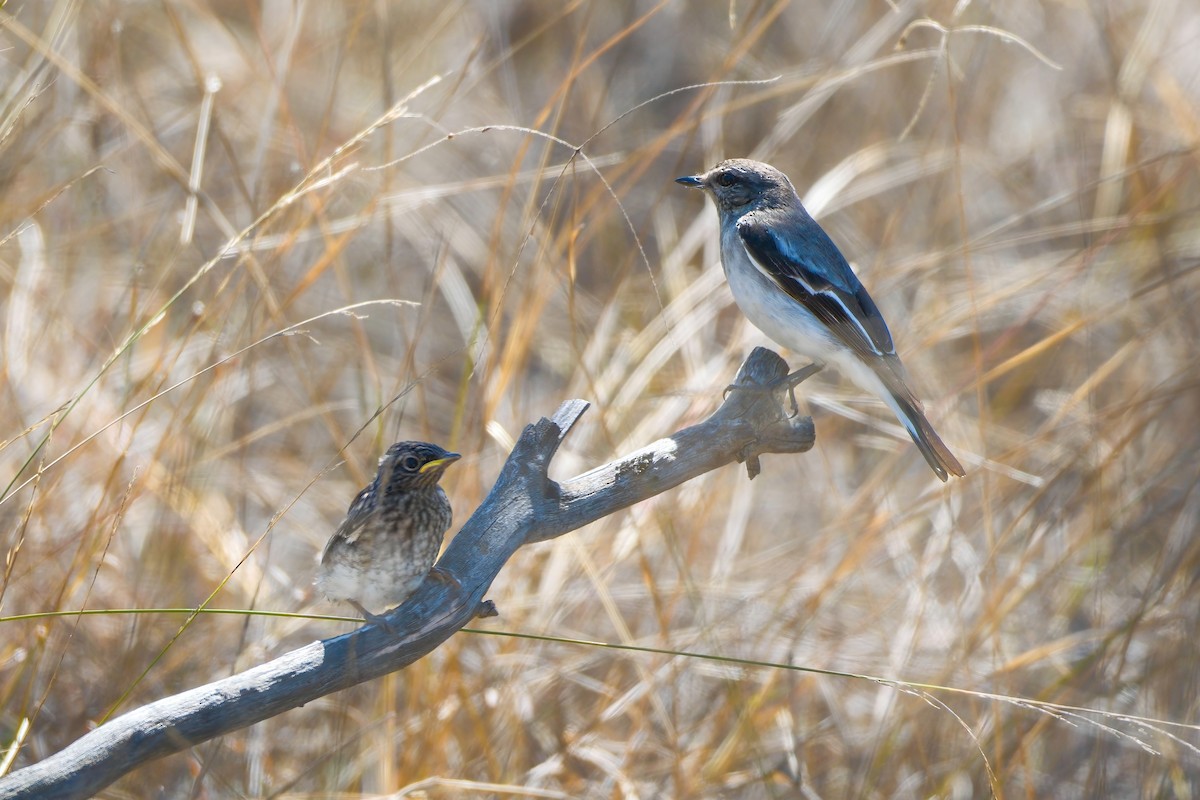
928	442
907	408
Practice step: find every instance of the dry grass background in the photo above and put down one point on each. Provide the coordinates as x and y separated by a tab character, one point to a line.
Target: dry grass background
1032	233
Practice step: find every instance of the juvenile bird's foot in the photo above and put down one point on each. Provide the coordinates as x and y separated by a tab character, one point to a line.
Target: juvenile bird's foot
789	381
453	584
444	576
374	619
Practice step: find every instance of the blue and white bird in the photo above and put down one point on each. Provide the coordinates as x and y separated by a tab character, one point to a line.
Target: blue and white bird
792	282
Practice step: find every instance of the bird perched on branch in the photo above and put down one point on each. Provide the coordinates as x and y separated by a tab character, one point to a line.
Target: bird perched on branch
385	547
793	283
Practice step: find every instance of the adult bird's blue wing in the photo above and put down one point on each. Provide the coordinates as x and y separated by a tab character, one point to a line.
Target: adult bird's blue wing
808	266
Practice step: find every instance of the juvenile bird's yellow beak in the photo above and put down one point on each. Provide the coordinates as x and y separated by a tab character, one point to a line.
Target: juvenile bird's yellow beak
440	463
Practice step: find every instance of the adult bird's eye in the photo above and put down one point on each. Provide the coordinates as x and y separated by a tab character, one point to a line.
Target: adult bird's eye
726	179
411	463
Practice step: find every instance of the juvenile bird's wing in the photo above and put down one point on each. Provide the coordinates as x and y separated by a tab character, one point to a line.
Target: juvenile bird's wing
359	512
808	266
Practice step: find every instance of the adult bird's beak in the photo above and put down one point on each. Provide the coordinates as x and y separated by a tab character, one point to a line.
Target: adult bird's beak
440	463
692	181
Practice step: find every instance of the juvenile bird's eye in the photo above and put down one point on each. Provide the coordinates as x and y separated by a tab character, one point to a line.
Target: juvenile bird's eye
726	179
411	463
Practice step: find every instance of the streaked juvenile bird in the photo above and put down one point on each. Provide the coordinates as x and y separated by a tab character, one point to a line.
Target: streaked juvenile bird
793	283
385	547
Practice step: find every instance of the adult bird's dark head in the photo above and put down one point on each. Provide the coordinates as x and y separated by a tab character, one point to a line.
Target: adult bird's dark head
739	183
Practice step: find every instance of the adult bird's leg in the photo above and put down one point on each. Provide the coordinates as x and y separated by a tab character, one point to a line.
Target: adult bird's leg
790	381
